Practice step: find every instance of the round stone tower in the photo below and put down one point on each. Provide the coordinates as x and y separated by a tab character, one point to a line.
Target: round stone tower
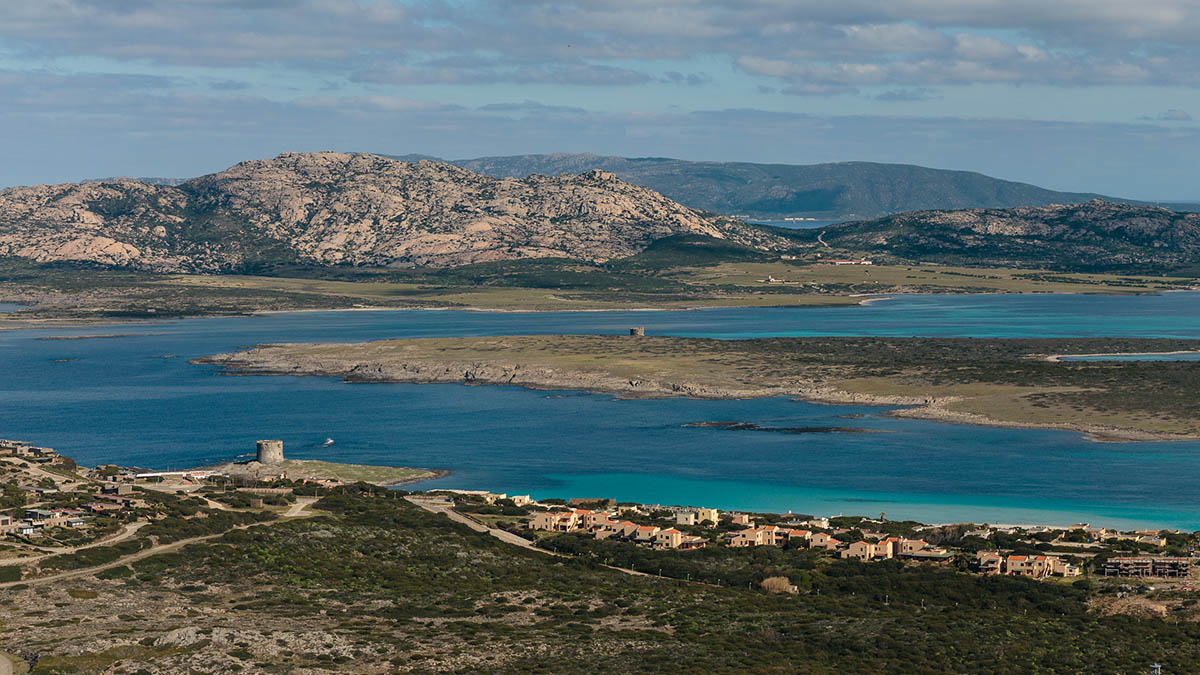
270	452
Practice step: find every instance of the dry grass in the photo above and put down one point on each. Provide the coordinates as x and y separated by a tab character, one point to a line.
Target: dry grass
893	278
994	379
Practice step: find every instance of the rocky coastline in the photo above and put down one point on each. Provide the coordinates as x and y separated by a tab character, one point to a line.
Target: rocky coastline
286	360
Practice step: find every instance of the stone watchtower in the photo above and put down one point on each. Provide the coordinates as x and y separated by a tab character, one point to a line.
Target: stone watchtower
270	452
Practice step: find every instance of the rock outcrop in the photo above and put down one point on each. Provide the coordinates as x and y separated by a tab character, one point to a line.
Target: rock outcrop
1091	236
346	209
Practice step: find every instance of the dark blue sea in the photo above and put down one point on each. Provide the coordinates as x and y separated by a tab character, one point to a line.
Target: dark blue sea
135	400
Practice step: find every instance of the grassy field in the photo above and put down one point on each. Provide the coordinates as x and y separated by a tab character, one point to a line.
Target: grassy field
916	278
1002	381
380	475
58	292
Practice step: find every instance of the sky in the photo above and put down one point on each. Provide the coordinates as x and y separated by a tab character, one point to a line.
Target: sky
1082	95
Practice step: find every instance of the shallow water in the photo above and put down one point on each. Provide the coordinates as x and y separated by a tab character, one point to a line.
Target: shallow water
135	400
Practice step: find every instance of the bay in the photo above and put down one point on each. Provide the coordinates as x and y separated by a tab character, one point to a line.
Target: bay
135	400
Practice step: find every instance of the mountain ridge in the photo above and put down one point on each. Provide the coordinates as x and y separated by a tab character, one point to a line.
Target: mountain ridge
342	208
1091	236
829	191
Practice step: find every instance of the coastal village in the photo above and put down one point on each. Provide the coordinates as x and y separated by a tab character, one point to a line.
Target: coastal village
90	535
52	505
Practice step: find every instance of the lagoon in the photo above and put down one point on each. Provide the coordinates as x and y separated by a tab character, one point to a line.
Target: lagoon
135	400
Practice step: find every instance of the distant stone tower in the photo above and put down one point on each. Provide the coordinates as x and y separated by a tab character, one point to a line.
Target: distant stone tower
270	452
638	331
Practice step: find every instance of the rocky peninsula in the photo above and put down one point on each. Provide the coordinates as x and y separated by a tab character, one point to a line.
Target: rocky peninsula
1003	382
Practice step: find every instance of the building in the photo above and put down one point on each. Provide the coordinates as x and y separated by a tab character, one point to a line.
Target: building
116	489
741	519
823	540
41	516
645	534
555	521
768	535
709	515
1036	566
521	500
868	551
269	451
987	562
672	538
1148	567
616	530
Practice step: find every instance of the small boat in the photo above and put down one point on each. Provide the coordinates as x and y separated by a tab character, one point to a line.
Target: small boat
328	442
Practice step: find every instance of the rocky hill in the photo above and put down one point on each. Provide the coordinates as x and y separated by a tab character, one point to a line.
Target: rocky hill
1091	236
836	191
356	209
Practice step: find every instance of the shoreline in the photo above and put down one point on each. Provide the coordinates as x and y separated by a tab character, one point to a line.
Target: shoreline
63	323
250	468
863	299
549	379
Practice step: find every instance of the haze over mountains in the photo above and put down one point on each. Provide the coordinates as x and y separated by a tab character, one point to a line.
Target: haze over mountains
835	191
1091	236
335	208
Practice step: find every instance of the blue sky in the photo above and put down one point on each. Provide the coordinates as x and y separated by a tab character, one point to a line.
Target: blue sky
1090	95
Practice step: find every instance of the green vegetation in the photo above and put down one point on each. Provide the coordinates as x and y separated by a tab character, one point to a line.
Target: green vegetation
173	528
420	589
1094	236
91	557
677	271
98	661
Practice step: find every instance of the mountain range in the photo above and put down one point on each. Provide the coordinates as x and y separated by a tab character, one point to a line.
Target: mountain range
835	191
357	209
1092	236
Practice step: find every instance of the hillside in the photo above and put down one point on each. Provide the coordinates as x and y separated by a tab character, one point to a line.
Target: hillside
1092	236
842	190
345	209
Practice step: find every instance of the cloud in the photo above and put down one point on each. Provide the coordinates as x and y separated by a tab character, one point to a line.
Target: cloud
691	79
1172	115
909	43
907	95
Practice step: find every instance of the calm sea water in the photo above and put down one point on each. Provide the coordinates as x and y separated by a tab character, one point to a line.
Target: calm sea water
797	224
135	400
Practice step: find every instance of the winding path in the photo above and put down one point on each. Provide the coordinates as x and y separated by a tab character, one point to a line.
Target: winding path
297	510
510	538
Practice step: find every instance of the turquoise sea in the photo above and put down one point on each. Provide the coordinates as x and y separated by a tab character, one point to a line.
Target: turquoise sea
134	399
